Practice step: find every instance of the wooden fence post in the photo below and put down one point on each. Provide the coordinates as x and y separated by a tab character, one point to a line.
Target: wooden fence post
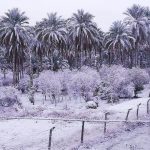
148	106
50	138
137	111
106	114
128	114
82	132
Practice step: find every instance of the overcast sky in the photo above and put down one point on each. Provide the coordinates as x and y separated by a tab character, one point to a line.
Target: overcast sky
105	11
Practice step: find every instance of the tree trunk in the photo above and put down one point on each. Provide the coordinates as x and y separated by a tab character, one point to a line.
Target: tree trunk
31	88
131	59
14	72
109	58
100	57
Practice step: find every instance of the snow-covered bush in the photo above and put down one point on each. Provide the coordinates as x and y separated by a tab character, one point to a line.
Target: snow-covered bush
84	82
8	96
139	77
6	81
91	104
8	91
65	79
121	82
10	104
23	84
110	83
49	82
116	83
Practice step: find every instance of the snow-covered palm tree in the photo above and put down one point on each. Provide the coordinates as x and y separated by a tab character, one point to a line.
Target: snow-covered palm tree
137	21
52	31
99	45
118	39
83	33
14	36
147	15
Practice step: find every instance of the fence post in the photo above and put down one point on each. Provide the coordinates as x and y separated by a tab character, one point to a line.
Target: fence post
137	111
148	106
82	132
106	114
128	114
50	138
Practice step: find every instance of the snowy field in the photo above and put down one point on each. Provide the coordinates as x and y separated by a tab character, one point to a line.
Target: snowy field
33	135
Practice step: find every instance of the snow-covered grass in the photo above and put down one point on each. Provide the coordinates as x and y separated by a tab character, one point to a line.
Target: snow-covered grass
33	135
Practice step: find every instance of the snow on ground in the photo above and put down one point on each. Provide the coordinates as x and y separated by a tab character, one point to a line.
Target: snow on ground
33	135
137	139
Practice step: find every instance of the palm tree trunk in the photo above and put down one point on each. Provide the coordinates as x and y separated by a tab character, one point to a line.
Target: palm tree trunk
80	51
109	57
131	59
136	53
31	88
76	58
100	57
14	72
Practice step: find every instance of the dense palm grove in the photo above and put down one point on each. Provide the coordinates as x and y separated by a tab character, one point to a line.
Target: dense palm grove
57	44
77	41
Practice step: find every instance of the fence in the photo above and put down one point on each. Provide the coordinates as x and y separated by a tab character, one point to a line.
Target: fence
84	121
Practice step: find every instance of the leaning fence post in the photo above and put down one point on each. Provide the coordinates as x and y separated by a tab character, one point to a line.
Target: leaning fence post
50	138
82	132
148	106
128	114
137	111
106	114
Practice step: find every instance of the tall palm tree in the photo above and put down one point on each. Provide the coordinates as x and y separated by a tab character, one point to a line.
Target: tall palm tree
52	31
146	51
137	21
117	40
38	48
83	34
14	36
99	45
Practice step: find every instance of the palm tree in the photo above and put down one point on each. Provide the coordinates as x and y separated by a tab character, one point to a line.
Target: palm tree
117	40
99	46
52	31
14	36
38	49
83	34
137	21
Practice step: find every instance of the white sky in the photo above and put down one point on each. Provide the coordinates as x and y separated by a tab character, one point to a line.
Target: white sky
105	11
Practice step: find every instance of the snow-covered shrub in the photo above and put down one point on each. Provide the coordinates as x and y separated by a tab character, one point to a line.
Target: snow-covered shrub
91	104
110	83
49	82
8	96
6	81
139	77
64	77
125	90
121	82
8	91
23	84
84	82
116	83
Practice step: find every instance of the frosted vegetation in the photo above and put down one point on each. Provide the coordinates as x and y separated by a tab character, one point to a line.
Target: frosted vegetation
109	84
70	68
61	60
